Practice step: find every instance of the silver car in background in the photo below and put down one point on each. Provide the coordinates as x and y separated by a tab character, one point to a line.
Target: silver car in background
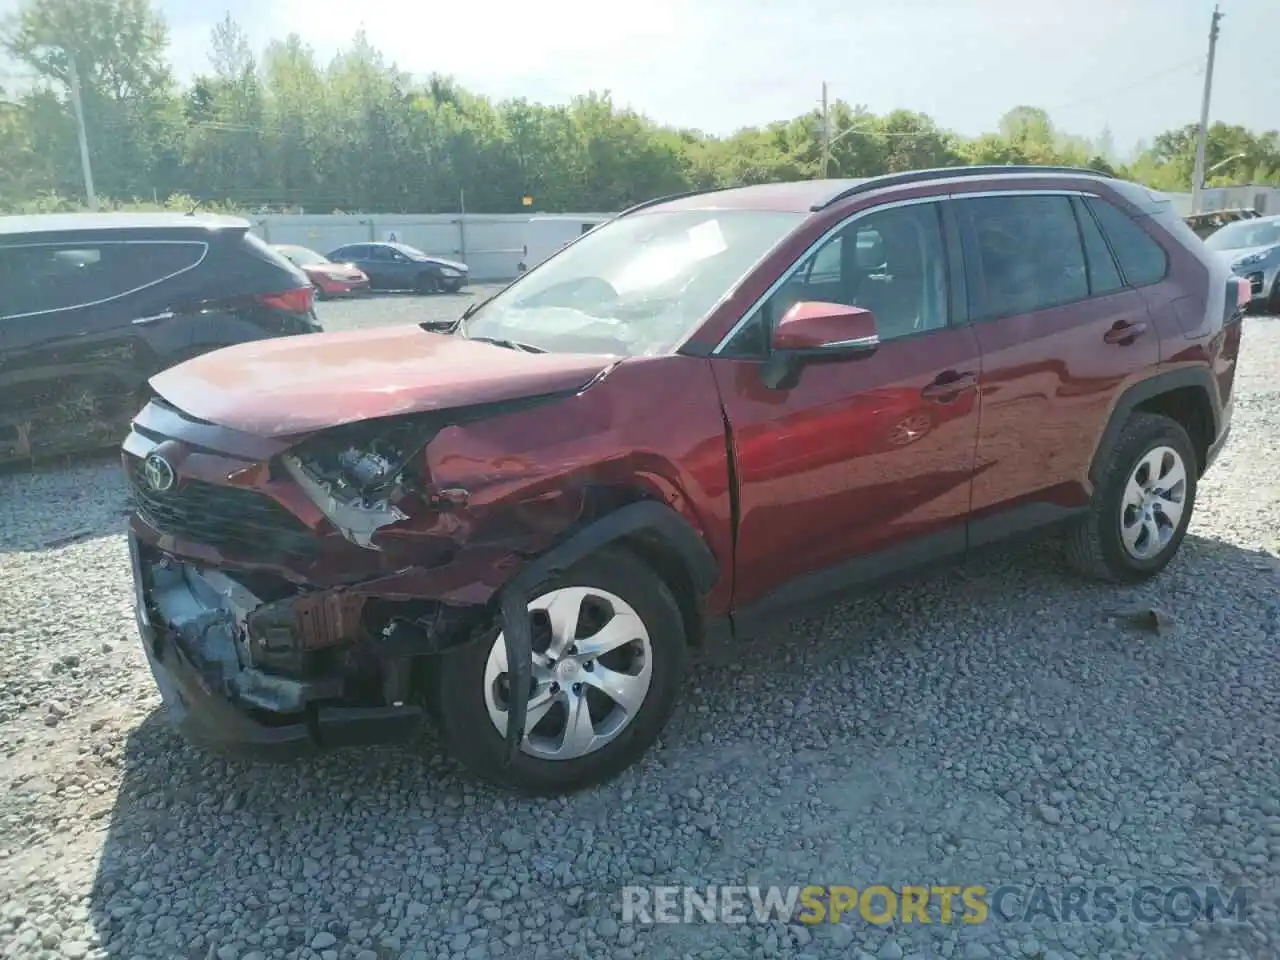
1252	247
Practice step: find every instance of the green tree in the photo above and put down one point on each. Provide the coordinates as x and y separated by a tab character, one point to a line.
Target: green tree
359	134
119	49
225	149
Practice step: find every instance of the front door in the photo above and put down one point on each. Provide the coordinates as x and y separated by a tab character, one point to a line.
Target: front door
402	270
863	467
379	268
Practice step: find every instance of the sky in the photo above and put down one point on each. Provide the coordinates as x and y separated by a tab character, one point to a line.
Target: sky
1136	66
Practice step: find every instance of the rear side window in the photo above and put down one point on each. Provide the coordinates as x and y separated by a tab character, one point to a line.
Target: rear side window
1142	260
258	248
41	277
1029	255
1104	278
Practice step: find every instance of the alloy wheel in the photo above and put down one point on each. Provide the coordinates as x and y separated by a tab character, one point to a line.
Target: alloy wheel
1153	502
592	668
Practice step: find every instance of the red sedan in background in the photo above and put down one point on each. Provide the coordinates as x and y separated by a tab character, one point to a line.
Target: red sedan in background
330	279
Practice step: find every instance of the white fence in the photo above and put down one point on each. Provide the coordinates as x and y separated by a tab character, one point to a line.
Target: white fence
1266	200
490	244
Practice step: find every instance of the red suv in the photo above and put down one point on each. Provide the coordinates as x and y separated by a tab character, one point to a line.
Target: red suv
711	408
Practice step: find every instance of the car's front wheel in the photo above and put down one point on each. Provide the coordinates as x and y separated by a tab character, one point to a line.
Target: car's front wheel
1142	504
609	650
427	283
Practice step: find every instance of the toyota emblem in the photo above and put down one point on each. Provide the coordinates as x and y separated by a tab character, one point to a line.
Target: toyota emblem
158	472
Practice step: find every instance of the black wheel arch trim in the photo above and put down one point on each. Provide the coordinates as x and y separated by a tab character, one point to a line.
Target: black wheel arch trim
513	601
1148	389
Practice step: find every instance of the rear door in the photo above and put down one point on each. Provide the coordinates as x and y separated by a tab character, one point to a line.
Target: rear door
358	255
73	356
863	467
1060	335
381	267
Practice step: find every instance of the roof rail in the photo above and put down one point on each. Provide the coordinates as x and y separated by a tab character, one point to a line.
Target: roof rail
947	173
644	204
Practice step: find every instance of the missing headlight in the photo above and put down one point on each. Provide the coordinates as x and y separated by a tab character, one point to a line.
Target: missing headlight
355	473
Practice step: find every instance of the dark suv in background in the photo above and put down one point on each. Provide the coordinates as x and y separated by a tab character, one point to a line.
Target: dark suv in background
92	305
710	409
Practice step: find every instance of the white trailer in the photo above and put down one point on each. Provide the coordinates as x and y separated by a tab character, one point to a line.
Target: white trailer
544	235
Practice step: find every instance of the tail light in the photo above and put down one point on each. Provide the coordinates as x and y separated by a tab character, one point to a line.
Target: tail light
1238	296
1244	292
291	301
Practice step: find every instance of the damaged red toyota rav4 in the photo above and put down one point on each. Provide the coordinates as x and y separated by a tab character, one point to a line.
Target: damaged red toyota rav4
713	407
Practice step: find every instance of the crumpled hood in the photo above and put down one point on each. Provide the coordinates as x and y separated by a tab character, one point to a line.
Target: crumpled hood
295	385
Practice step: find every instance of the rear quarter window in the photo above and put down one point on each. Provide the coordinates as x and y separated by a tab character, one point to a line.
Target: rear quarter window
1142	260
1104	276
42	277
257	247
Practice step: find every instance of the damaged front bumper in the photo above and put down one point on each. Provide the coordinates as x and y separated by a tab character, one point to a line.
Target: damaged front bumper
192	622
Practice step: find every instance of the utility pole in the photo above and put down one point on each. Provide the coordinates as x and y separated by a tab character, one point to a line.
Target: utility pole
826	131
84	140
1202	136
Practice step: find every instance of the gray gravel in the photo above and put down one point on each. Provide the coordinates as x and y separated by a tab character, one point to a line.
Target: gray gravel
996	724
390	308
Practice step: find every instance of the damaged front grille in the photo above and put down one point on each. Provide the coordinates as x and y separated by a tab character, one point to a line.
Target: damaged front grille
226	518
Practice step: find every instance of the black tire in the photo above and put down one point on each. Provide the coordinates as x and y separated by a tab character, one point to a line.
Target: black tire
1094	546
319	292
1273	301
471	736
427	283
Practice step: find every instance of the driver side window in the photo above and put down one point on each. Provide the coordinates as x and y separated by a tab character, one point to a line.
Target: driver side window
890	262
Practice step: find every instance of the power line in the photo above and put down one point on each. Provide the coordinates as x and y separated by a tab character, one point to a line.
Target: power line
1159	74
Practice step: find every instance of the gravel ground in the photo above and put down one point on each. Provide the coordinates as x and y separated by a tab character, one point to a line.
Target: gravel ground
994	724
382	309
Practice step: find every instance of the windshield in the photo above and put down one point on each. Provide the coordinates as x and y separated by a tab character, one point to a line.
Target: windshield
634	286
412	252
1245	233
302	256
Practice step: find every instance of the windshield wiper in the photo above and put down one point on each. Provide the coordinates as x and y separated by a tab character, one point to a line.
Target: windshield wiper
509	344
477	304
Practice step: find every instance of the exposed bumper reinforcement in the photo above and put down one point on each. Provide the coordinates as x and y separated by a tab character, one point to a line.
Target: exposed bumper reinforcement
206	716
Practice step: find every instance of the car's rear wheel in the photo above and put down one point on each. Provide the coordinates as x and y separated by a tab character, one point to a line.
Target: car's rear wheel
319	292
1141	506
608	654
1273	301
